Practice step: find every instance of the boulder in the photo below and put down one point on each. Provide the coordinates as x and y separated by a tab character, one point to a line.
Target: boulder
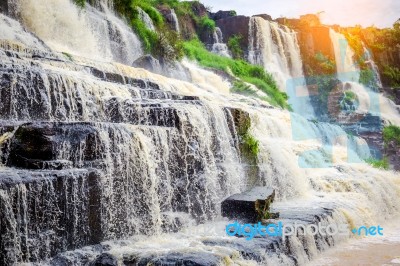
105	259
252	205
149	63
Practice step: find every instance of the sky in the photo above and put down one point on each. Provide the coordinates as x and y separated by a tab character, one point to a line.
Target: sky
381	13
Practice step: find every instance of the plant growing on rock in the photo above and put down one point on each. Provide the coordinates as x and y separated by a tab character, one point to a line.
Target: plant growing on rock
235	47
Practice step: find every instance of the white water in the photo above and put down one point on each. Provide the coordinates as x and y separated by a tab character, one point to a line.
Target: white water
175	20
87	32
146	19
219	47
140	161
346	68
370	61
276	48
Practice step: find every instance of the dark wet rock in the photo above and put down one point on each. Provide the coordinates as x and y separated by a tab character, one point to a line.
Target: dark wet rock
251	205
115	78
237	25
222	14
105	259
184	259
199	9
239	128
36	145
241	120
149	63
167	12
264	16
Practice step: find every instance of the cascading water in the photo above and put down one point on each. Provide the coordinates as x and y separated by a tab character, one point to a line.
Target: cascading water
87	32
276	49
219	47
146	19
120	155
348	72
175	21
377	83
346	67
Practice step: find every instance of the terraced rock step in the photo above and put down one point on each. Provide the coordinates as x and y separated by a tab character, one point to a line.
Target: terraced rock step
60	208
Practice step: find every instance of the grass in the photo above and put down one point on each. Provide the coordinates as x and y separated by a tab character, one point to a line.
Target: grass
241	87
380	164
234	46
255	75
391	133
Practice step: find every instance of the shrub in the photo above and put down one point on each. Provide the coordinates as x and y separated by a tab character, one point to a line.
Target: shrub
391	133
235	47
207	24
392	75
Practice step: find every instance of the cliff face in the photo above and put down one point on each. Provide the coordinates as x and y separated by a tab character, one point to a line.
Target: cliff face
237	25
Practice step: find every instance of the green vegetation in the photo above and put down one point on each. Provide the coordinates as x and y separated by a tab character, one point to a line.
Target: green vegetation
391	133
241	87
380	164
392	74
349	96
367	77
349	100
68	56
326	64
164	44
250	145
235	47
255	75
207	24
382	42
319	64
80	3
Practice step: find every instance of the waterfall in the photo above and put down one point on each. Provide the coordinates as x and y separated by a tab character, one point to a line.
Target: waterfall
175	21
88	32
346	67
97	157
276	48
219	47
370	101
146	19
373	67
